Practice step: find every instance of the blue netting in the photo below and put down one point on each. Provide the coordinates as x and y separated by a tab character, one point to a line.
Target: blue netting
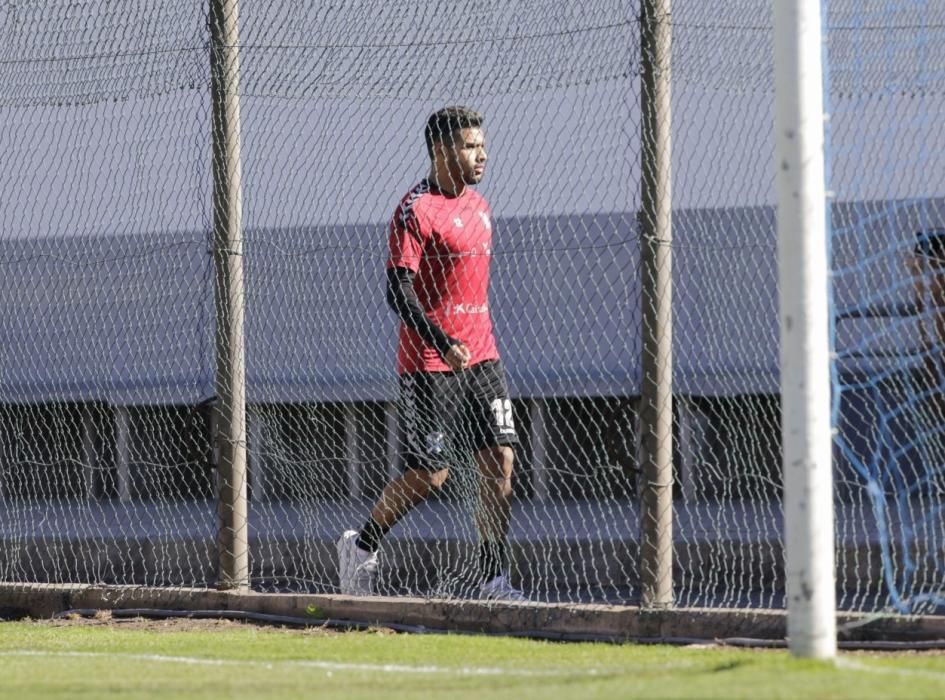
887	102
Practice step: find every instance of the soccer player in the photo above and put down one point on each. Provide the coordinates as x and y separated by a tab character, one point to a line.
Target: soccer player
928	268
927	265
454	395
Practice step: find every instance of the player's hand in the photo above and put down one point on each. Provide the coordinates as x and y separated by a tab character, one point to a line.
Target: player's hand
457	357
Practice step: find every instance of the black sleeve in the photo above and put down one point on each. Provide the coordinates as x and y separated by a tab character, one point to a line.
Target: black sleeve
402	298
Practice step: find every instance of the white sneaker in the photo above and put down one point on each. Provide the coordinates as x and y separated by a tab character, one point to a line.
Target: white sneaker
357	568
500	588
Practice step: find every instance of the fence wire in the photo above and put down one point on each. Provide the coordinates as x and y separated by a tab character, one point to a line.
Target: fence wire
107	399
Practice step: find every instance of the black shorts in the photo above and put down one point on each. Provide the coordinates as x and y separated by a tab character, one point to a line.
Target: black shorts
446	415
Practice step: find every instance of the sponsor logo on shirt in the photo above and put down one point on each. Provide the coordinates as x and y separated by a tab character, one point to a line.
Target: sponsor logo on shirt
457	309
485	220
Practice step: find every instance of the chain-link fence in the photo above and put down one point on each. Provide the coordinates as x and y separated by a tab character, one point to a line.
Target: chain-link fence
108	397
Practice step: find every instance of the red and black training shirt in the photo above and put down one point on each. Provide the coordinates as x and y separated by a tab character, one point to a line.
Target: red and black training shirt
446	241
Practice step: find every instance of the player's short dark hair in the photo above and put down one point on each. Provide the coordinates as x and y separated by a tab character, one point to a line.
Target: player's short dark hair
930	243
445	122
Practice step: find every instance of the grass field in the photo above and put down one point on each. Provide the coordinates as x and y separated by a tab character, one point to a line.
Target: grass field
207	659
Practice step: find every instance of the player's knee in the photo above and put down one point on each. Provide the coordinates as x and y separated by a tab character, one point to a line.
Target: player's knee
438	479
506	460
499	463
507	465
421	482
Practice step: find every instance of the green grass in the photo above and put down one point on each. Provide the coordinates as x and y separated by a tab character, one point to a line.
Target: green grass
230	660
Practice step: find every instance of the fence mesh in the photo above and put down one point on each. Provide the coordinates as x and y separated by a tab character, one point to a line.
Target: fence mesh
106	467
328	158
886	65
107	399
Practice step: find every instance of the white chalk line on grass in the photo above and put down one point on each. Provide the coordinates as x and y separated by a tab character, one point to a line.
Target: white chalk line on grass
849	664
340	666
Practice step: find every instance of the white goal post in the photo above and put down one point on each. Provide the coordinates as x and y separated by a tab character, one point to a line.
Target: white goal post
805	347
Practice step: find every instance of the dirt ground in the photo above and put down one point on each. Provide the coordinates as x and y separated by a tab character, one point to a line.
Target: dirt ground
186	624
189	624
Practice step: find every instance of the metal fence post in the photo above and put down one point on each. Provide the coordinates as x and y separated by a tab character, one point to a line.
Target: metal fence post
233	537
657	299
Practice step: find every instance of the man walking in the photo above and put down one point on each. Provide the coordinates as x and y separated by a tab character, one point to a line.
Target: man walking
454	395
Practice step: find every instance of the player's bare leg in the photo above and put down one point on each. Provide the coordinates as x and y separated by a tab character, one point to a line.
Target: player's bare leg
492	520
401	495
495	491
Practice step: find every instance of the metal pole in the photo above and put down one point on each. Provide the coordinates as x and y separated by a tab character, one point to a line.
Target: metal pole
657	304
233	540
353	452
539	437
123	452
805	345
90	456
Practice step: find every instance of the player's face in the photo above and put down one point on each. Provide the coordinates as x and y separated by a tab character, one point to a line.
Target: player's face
466	158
